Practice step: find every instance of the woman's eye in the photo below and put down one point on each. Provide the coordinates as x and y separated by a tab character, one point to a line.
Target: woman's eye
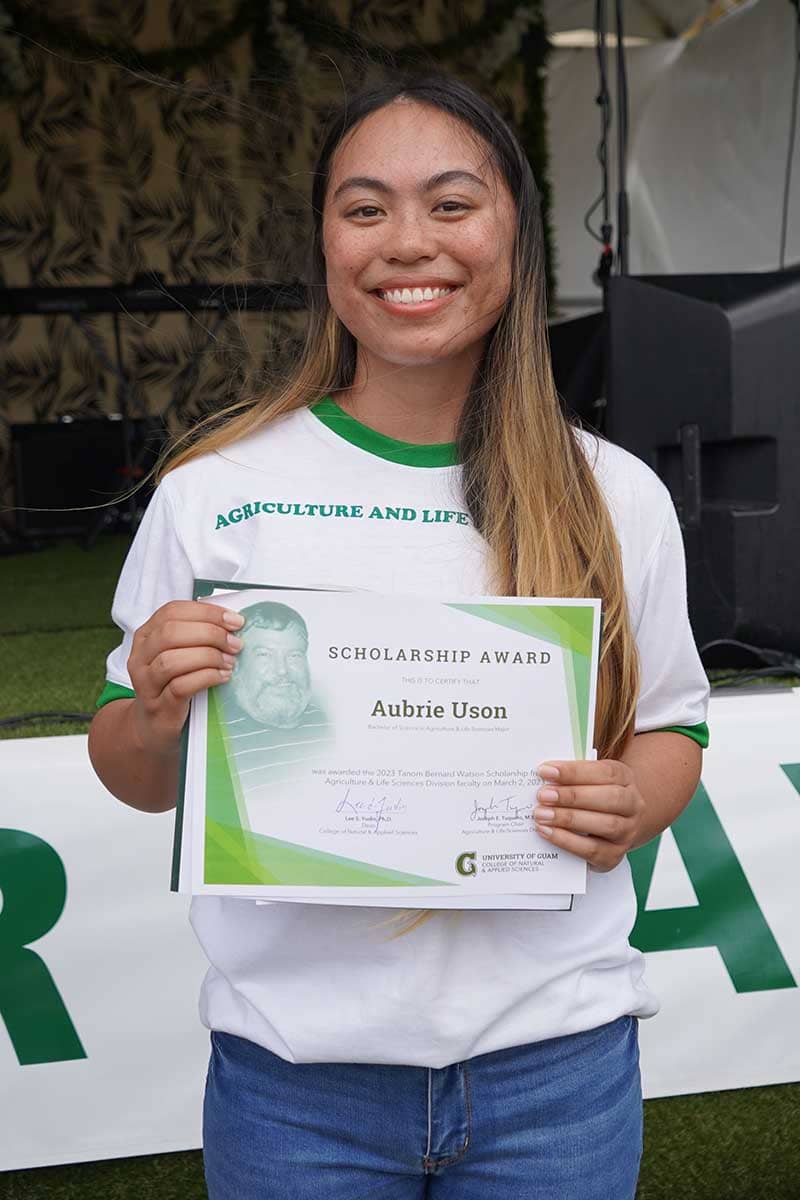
452	206
366	210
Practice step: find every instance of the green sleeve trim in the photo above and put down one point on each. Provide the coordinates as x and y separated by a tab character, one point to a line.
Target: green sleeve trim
408	454
698	733
113	691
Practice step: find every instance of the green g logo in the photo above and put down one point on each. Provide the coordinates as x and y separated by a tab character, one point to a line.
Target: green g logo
465	863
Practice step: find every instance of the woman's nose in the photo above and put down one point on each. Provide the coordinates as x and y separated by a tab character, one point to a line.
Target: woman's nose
408	239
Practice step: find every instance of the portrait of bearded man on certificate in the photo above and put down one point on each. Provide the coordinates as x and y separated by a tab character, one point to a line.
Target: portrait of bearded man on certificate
273	719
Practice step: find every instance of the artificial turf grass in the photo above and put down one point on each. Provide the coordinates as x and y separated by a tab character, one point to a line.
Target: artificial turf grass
738	1145
52	672
160	1177
55	631
62	586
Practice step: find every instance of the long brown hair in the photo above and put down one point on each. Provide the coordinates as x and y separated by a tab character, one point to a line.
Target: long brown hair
527	482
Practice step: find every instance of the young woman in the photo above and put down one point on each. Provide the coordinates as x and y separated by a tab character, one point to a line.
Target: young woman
479	1055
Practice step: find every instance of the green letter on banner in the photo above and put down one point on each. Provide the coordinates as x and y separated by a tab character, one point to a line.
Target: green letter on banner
792	772
34	887
727	914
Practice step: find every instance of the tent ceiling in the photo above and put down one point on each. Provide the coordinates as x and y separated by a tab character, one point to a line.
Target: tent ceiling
643	18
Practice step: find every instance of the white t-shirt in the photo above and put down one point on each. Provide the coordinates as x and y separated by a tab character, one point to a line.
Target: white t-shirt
304	503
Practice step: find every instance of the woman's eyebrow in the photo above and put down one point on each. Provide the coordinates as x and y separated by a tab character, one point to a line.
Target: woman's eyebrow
377	185
459	176
361	181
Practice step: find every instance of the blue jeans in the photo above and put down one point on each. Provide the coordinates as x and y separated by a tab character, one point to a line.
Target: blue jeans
555	1120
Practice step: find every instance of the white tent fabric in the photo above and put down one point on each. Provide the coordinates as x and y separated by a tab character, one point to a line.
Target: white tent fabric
643	18
709	133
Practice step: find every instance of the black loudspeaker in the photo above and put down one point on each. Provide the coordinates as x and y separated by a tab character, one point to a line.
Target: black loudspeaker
577	353
70	465
703	383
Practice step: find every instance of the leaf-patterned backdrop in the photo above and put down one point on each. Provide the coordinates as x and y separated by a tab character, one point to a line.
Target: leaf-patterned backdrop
176	136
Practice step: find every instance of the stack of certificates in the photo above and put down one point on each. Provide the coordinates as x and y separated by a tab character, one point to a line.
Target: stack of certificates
382	750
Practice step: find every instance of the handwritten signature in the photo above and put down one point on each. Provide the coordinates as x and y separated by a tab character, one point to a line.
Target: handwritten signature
506	808
373	810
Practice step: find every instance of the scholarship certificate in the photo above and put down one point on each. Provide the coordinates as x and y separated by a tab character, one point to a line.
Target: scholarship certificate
373	746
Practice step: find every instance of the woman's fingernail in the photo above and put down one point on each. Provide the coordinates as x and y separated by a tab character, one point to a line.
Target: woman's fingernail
549	794
225	676
544	814
543	831
232	619
234	642
228	660
547	771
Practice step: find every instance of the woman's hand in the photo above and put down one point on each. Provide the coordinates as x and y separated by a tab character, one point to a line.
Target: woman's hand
593	809
185	647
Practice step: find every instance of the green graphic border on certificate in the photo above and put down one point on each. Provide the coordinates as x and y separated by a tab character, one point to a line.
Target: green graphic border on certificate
235	855
571	627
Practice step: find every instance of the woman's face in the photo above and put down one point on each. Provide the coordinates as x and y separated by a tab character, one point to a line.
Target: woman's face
418	231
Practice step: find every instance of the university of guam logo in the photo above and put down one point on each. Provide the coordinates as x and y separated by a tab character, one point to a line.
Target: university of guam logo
465	863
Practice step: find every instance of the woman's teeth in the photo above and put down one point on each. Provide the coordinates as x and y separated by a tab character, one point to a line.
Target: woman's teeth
414	295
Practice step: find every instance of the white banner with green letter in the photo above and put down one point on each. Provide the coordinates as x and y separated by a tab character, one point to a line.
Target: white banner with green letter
101	1051
719	896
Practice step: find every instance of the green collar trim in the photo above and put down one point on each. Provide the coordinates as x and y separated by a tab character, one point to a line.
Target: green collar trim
437	454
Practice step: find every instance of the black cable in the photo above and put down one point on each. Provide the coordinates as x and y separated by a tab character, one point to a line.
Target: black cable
10	722
773	658
603	99
787	183
587	218
622	146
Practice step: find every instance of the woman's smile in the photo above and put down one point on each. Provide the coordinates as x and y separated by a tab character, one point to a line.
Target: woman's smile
415	300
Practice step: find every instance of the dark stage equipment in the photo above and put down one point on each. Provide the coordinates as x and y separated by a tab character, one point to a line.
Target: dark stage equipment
703	383
91	440
150	293
71	465
577	351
